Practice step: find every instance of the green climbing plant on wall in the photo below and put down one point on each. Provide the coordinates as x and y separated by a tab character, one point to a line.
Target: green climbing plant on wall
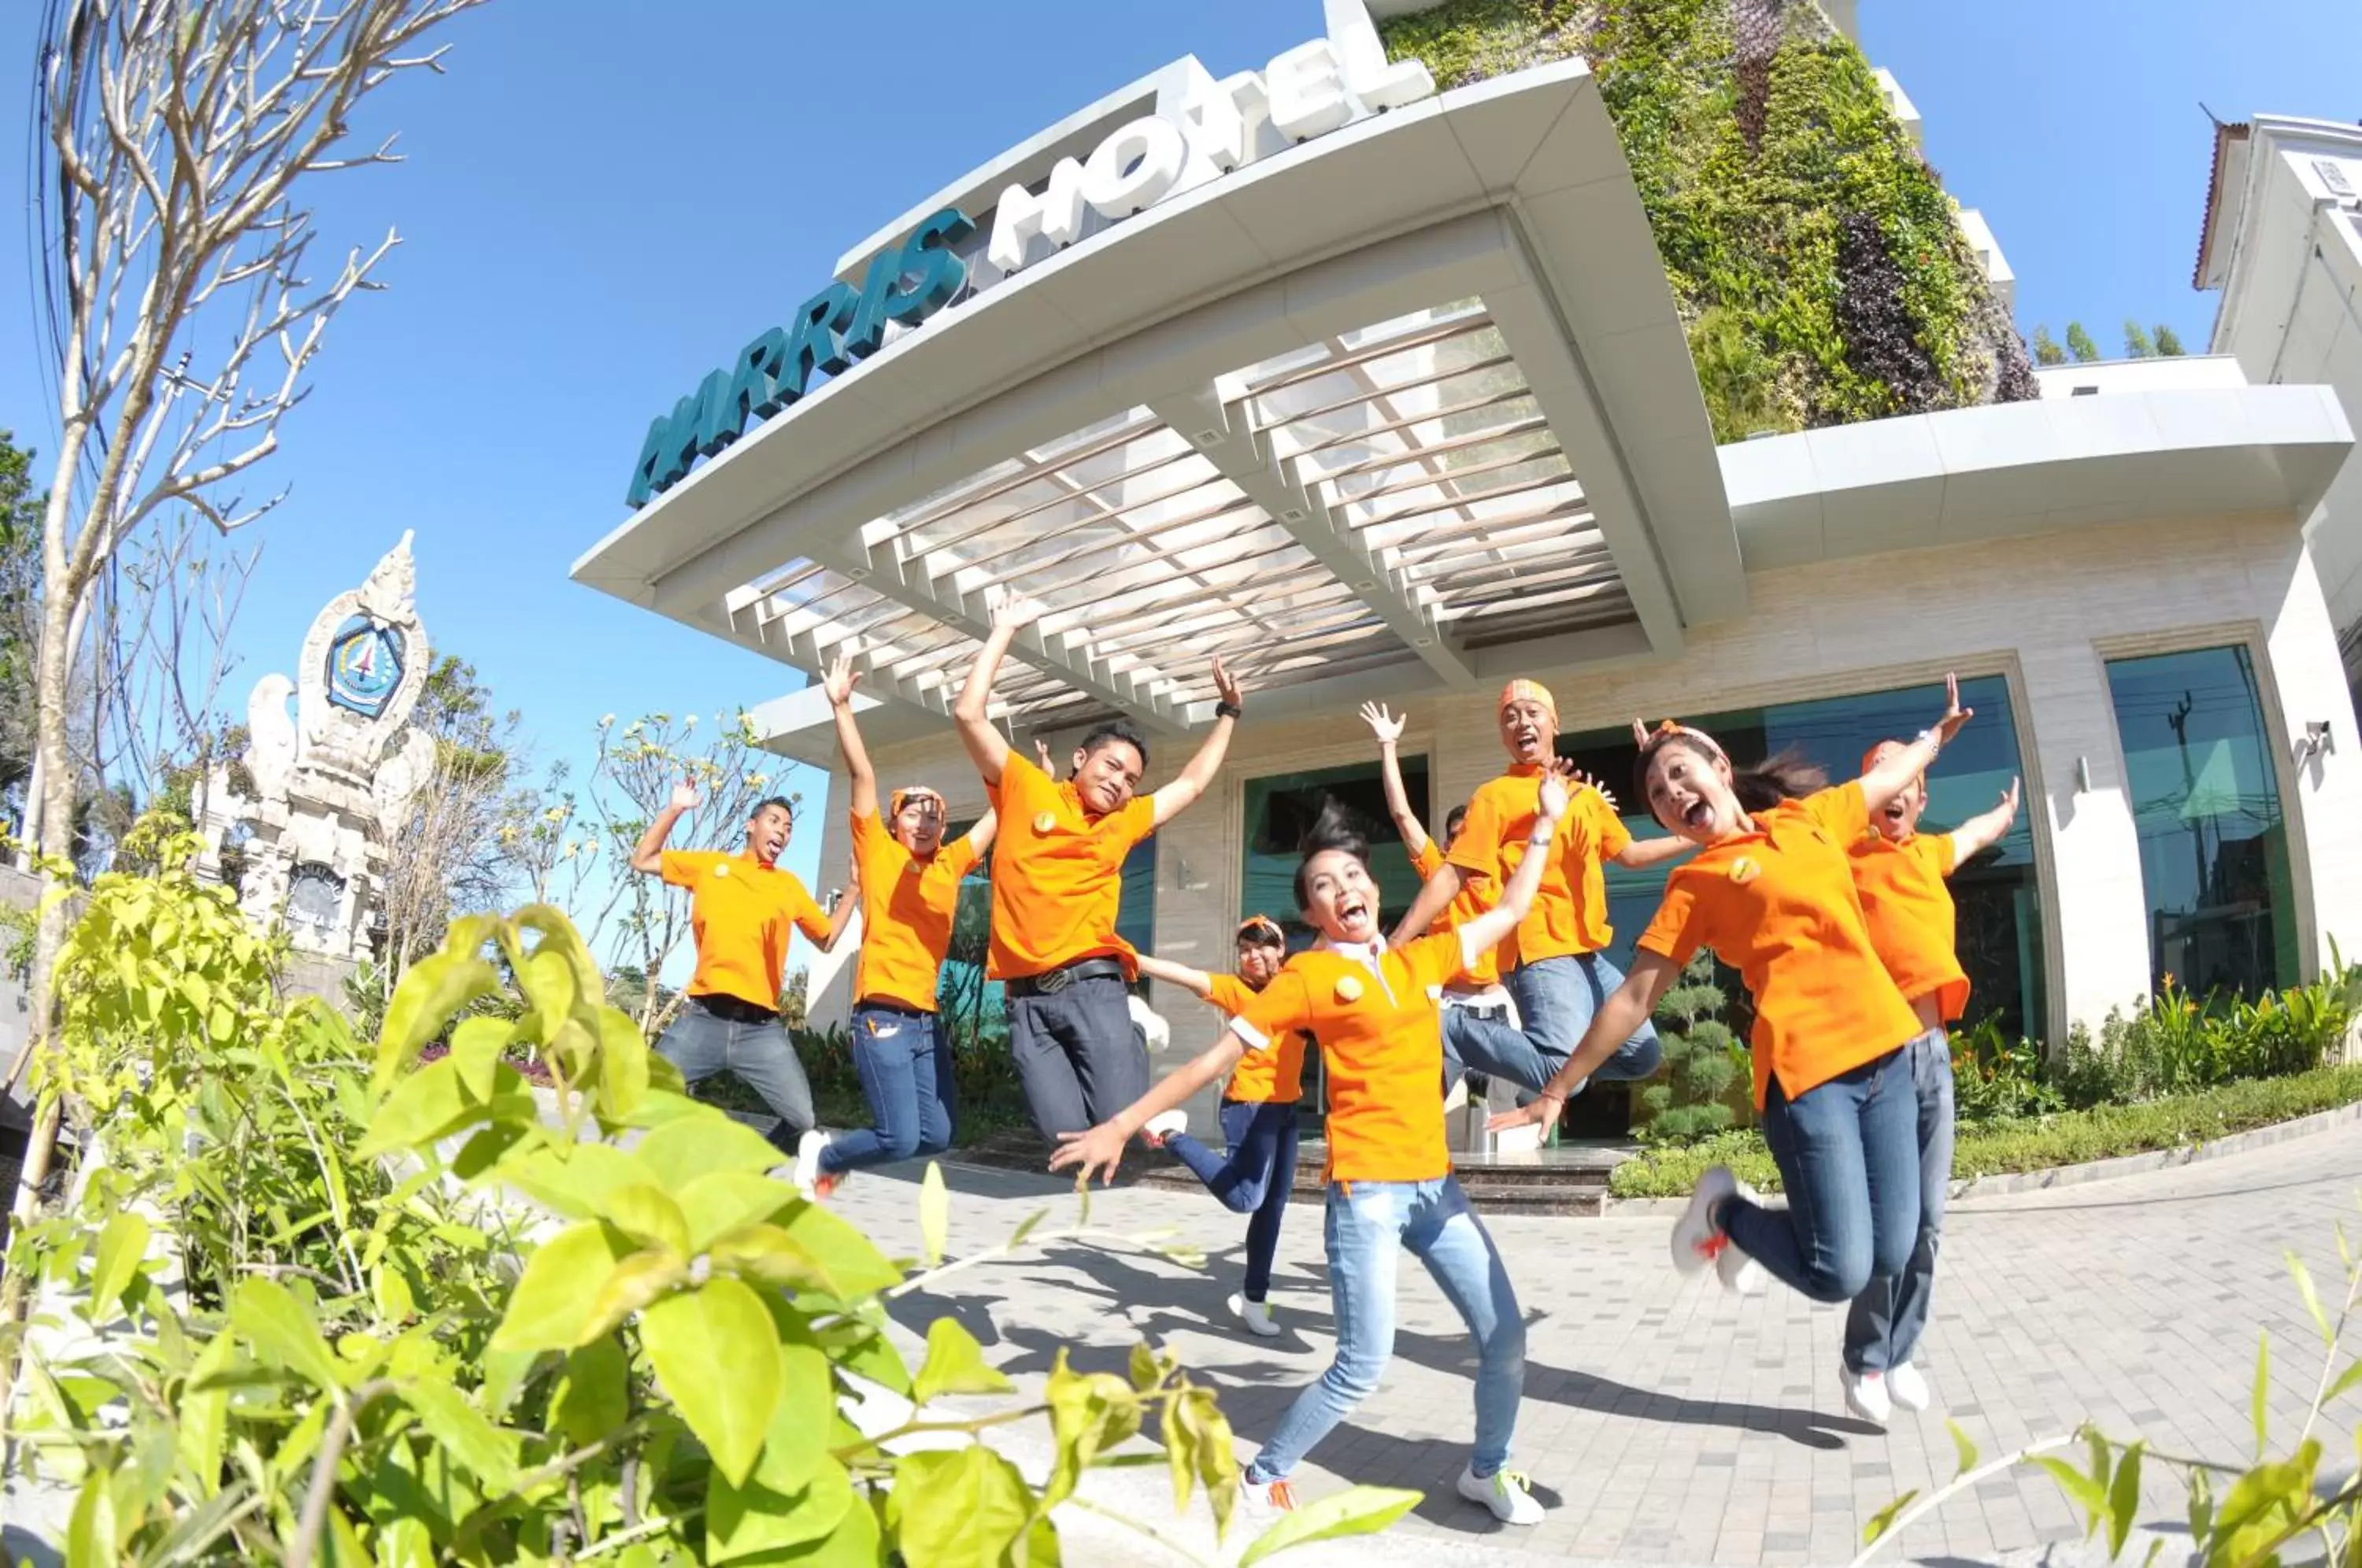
1820	269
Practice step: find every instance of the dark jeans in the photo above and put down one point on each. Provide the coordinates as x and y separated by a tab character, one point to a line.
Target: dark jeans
1849	1156
1076	1055
700	1042
1255	1179
1556	999
906	1073
1884	1326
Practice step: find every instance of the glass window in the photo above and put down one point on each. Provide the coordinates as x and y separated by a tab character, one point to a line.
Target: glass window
1997	895
1280	807
2205	800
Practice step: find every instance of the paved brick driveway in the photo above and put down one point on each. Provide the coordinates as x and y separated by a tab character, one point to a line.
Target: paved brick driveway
1676	1424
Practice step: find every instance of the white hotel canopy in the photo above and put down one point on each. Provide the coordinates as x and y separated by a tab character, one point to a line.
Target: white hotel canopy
1403	406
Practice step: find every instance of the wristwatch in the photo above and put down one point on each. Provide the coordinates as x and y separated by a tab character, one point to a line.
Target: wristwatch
1228	711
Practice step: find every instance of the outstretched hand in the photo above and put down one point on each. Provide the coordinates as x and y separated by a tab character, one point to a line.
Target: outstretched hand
1383	723
1554	788
2009	801
1641	734
1954	714
684	796
1009	609
1095	1152
841	679
1577	777
1041	754
1226	685
1540	1113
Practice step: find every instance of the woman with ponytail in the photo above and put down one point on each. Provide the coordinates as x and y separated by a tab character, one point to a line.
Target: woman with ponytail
1371	1005
1771	893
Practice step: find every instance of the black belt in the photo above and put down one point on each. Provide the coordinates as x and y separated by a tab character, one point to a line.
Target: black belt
1050	982
905	1009
735	1010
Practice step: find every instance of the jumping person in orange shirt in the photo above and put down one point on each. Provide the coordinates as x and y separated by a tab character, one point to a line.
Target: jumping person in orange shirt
1899	873
909	882
1259	1110
1556	966
740	907
1771	893
1057	883
1372	1006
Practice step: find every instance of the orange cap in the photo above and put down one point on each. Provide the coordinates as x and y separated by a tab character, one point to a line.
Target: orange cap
904	795
1523	691
1869	757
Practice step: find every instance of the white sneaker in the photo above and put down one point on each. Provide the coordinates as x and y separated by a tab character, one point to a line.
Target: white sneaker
1256	1315
1866	1395
1697	1240
1154	1032
1504	1493
1739	1273
1266	1499
1906	1387
1458	1097
807	1172
1163	1125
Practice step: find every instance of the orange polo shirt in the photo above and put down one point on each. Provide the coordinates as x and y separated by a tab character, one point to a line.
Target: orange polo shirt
1261	1078
1779	906
1057	873
1570	913
1382	1045
1912	921
907	905
1473	900
739	912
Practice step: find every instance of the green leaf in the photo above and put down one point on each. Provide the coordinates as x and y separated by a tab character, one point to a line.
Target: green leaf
798	1438
431	990
2262	1392
204	1414
2311	1302
2091	1495
954	1364
573	1180
724	1201
1147	1369
1960	1445
593	1396
2124	1499
91	1537
476	1046
1089	1413
962	1505
645	1214
810	1249
1217	1456
465	1431
742	1520
1357	1510
1025	1227
121	1247
716	1353
623	1065
268	1315
1884	1520
435	1103
554	1296
2345	1380
690	1146
630	1286
2202	1505
935	1213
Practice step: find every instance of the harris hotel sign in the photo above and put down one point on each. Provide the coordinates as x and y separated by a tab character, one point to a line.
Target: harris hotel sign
1194	136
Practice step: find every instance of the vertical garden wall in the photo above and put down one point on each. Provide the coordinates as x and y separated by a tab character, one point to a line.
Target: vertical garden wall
1820	269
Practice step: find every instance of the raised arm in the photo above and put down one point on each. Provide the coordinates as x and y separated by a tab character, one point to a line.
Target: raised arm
980	835
1435	896
648	856
847	905
1182	792
1099	1150
1897	769
1619	1018
1180	975
1389	729
1642	852
1488	929
841	679
985	746
1979	833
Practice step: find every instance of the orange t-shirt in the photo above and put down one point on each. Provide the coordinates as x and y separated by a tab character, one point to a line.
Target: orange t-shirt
1779	905
1912	921
1261	1078
739	911
907	905
1570	913
1474	899
1381	1046
1057	873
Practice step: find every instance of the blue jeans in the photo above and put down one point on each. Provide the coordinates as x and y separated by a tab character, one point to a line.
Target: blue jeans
906	1075
1369	1225
1883	1325
1556	999
1849	1156
1256	1178
702	1041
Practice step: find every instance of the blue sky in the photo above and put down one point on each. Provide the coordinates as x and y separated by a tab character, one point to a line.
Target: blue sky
605	198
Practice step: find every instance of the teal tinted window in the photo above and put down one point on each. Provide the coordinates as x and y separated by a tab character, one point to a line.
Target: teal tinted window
2206	799
1280	807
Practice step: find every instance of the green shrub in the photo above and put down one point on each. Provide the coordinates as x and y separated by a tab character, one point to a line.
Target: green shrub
1996	1076
1704	1078
2035	1144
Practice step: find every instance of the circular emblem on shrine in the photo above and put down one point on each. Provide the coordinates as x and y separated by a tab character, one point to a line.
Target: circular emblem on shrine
316	899
364	665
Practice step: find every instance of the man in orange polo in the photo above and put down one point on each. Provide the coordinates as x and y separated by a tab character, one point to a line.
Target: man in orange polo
1056	882
1556	966
741	907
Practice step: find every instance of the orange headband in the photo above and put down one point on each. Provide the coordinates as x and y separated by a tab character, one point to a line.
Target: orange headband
903	797
1523	691
1869	757
1670	728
